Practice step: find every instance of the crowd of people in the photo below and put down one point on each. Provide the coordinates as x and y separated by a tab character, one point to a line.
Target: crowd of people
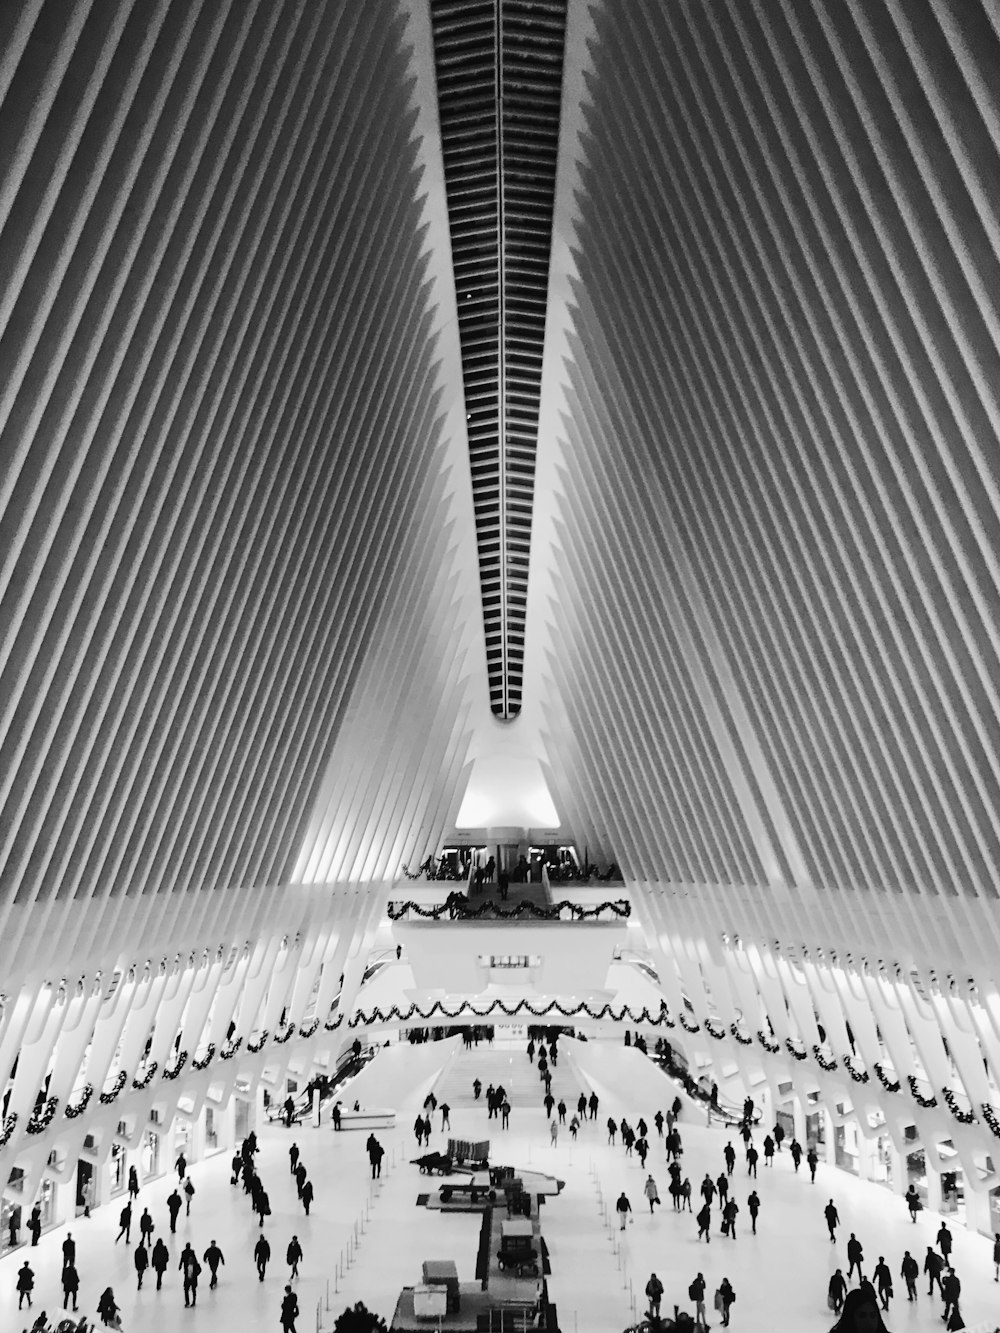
155	1256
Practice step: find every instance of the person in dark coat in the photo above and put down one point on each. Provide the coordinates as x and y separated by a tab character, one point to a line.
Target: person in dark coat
722	1185
768	1151
13	1223
729	1153
141	1260
704	1220
753	1206
836	1291
729	1218
25	1284
860	1313
236	1168
708	1188
191	1269
658	1122
293	1255
188	1188
728	1295
125	1218
795	1148
289	1310
933	1263
612	1130
261	1254
181	1167
262	1204
752	1156
832	1219
174	1204
35	1224
856	1257
145	1228
943	1239
133	1183
779	1135
293	1154
70	1285
301	1173
69	1249
909	1272
213	1256
951	1289
812	1161
593	1103
548	1101
913	1202
307	1196
418	1133
883	1281
107	1306
159	1261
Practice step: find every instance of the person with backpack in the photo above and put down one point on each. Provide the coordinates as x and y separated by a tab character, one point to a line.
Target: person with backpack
188	1188
933	1263
696	1293
654	1293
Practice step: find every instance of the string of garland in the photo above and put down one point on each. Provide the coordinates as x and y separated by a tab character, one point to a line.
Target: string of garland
688	1027
147	1078
412	874
990	1116
181	1062
281	1037
884	1079
71	1112
310	1029
259	1044
106	1098
793	1050
332	1027
459	908
714	1031
438	1009
858	1077
230	1048
829	1065
963	1117
206	1059
9	1125
743	1041
925	1102
772	1047
41	1119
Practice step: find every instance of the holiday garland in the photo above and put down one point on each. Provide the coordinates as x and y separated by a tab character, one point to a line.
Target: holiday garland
925	1102
793	1050
9	1125
858	1077
206	1059
71	1112
310	1029
147	1078
688	1027
40	1120
260	1043
281	1037
438	1009
963	1117
181	1062
829	1065
719	1035
460	908
887	1083
772	1047
990	1116
743	1041
230	1048
106	1098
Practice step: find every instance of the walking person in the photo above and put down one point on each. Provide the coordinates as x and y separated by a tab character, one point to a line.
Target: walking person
768	1151
832	1219
658	1122
696	1293
812	1161
856	1257
909	1272
933	1263
191	1269
951	1289
883	1281
70	1285
913	1202
69	1249
561	1111
753	1207
107	1308
553	1132
188	1188
293	1152
651	1192
726	1296
623	1208
133	1183
307	1196
752	1158
125	1218
593	1103
708	1188
141	1260
729	1153
181	1167
686	1195
159	1261
35	1224
836	1291
612	1131
996	1256
654	1294
943	1239
213	1256
729	1216
445	1116
289	1310
504	1113
293	1255
145	1228
261	1254
795	1148
704	1220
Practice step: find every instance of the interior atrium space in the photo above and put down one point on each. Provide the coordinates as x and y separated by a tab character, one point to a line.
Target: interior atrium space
499	665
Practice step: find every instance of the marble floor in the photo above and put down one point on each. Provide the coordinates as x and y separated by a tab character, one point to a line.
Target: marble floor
365	1240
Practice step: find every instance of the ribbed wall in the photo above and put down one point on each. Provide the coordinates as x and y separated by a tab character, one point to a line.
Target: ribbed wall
220	427
780	451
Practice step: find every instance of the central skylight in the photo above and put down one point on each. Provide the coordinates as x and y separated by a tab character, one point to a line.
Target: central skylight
499	76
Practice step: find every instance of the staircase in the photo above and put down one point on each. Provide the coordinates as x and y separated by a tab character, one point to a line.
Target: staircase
507	1063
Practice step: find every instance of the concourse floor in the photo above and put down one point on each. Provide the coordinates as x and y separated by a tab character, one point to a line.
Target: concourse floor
365	1241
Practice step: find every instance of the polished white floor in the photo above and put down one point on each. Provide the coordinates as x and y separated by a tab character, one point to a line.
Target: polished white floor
364	1242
